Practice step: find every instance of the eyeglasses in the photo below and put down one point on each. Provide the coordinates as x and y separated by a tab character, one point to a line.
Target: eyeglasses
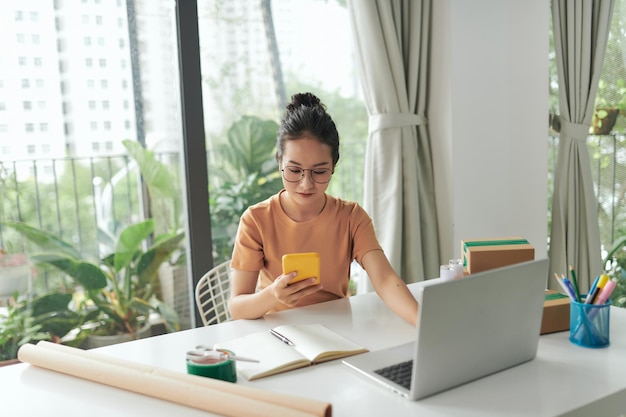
318	175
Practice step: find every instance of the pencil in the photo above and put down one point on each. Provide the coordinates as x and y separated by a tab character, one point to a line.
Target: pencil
574	283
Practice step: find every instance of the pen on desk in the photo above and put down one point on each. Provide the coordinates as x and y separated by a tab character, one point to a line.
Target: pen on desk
281	337
566	290
592	295
570	288
574	283
604	295
594	285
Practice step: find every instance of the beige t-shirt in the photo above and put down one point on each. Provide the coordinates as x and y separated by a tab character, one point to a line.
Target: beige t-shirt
341	233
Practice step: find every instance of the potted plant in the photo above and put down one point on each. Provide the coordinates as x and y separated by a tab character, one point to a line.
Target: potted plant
609	104
120	290
29	320
604	120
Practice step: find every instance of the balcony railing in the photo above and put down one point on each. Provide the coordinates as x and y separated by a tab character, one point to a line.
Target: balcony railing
607	154
82	198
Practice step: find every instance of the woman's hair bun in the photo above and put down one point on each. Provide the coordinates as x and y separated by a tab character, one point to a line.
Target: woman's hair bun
303	99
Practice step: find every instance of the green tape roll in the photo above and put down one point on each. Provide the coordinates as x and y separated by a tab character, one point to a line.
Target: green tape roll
225	370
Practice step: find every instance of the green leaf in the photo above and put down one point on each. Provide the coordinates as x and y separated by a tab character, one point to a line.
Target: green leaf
45	241
49	303
59	323
130	241
156	174
88	275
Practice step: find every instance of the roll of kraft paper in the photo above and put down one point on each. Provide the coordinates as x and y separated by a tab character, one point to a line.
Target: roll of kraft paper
206	394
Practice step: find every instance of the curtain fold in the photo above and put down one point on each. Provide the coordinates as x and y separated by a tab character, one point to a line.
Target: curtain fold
580	30
392	41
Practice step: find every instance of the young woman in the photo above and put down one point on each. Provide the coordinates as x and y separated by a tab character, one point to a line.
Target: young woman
303	218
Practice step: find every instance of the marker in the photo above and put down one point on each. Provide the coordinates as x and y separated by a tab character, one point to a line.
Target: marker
592	295
281	337
603	280
606	292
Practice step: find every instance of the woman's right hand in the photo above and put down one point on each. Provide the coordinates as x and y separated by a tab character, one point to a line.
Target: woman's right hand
290	294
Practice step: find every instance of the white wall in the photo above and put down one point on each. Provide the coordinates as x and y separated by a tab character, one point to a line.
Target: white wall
488	117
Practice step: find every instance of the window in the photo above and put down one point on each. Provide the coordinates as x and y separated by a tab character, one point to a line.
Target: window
30	149
29	127
26	105
238	80
607	150
236	77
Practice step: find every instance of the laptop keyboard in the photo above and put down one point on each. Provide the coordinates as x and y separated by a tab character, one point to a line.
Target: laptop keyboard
400	373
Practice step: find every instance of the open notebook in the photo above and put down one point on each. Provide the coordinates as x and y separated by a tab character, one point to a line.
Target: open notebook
467	329
308	344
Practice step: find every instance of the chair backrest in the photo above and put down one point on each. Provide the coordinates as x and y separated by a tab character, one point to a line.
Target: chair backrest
212	292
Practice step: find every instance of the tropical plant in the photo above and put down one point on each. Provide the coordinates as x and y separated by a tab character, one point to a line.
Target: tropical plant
245	173
17	328
47	317
121	289
163	187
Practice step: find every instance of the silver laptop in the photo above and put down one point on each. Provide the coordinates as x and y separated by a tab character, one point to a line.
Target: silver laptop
466	329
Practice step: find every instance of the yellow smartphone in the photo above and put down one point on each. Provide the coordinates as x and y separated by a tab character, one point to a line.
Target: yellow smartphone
306	264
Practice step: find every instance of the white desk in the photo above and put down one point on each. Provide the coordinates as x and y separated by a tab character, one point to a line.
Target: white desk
563	378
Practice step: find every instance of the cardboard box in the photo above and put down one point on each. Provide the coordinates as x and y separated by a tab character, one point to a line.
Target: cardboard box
555	312
484	254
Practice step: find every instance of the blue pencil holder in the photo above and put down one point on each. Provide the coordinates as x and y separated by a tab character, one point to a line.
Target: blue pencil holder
589	324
